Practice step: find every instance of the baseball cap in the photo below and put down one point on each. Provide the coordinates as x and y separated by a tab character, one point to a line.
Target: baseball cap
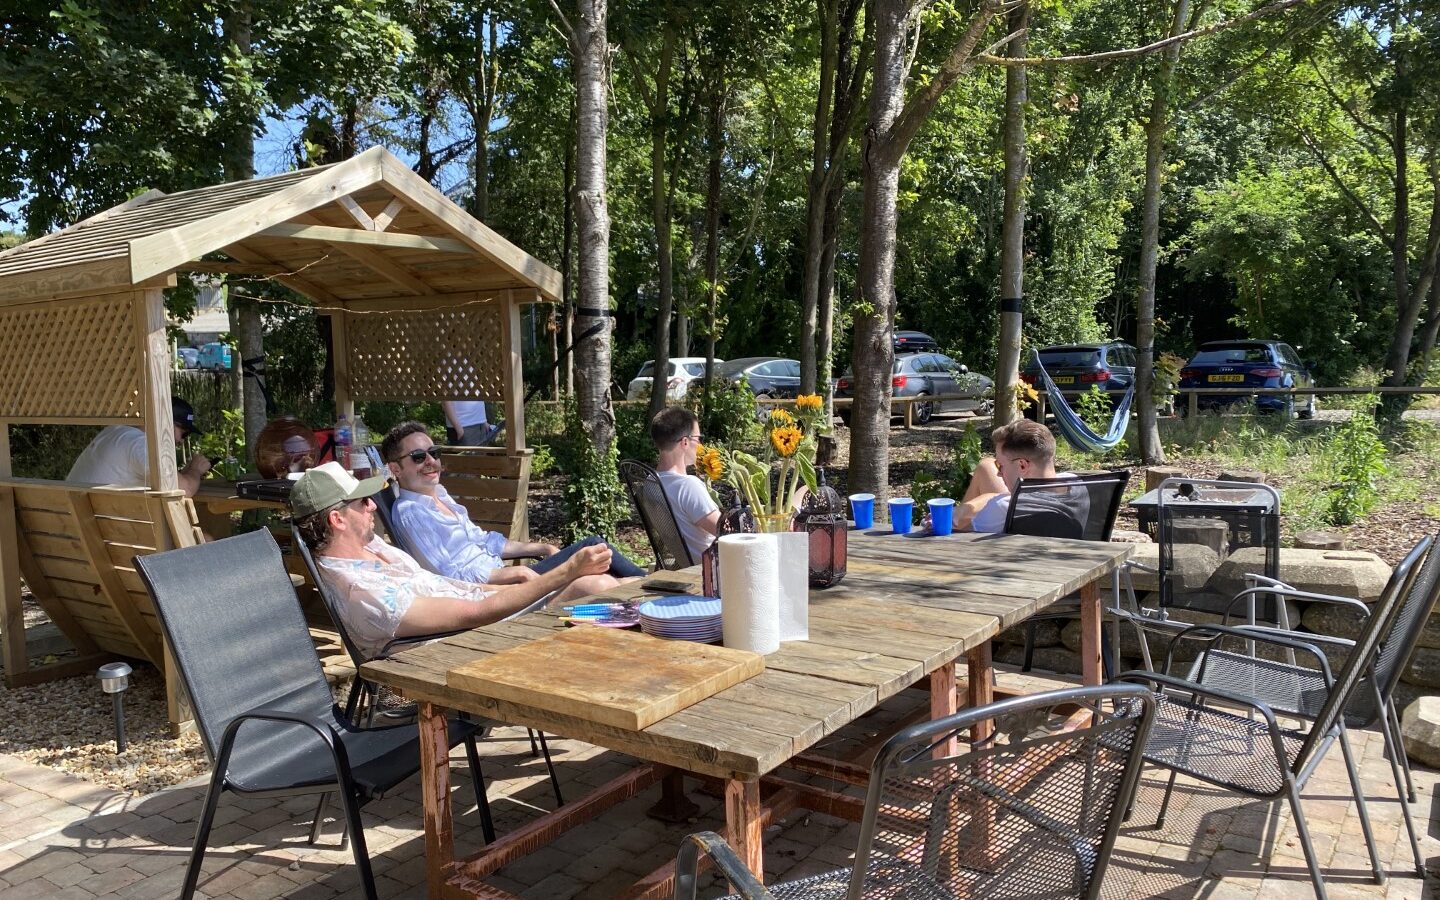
326	485
184	415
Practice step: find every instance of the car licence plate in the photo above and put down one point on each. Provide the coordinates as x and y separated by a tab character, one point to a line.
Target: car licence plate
1064	379
1227	377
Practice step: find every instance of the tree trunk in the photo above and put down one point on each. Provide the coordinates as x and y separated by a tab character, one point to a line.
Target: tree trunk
1151	451
660	214
567	283
715	147
1407	307
1012	229
591	49
874	347
487	76
816	193
244	313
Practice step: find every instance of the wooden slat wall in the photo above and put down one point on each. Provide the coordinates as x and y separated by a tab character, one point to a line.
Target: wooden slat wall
492	485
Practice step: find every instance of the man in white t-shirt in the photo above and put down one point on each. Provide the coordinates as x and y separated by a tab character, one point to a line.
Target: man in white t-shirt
676	433
466	424
117	455
1023	449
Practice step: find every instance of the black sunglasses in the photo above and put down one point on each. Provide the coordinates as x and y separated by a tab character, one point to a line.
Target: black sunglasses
418	456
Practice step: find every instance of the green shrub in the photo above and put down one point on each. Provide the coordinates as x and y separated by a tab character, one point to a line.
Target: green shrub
965	457
1356	458
224	445
1095	410
593	496
728	412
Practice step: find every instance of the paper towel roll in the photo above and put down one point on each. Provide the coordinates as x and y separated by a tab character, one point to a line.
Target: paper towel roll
794	578
749	571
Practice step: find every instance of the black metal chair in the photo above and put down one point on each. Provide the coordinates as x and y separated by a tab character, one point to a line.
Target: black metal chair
1025	809
1081	507
266	716
658	516
365	694
1301	690
1233	739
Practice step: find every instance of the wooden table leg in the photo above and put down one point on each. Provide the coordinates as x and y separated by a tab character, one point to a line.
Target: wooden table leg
980	684
435	793
744	828
1090	668
943	703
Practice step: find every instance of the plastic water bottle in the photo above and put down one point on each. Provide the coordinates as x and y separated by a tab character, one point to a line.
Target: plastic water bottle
360	439
342	441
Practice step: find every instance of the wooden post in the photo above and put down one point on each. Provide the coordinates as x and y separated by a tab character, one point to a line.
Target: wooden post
12	631
909	414
1155	475
1192	401
148	311
435	797
1090	669
514	376
743	826
943	703
5	470
340	354
1040	408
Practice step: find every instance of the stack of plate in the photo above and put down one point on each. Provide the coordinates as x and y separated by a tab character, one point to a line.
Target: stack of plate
682	618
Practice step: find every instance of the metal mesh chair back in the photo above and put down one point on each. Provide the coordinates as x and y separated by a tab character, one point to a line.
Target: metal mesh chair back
1217	518
236	630
1420	597
1082	507
1384	616
1025	809
658	516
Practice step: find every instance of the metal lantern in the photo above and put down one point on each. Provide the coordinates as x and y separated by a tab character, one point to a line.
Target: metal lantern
735	520
822	516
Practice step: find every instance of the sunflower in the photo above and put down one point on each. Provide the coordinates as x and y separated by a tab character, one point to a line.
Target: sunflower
709	463
785	440
808	402
779	418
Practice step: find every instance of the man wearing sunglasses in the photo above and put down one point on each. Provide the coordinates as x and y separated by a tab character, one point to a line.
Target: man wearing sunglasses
446	541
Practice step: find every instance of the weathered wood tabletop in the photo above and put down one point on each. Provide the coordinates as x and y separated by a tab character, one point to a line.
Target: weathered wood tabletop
907	609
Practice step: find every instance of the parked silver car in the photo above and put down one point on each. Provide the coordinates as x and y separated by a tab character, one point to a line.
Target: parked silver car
929	375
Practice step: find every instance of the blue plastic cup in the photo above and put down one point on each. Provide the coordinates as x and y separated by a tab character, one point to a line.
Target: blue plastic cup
942	515
902	514
862	510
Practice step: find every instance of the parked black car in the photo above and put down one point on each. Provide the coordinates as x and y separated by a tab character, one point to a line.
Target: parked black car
768	376
915	342
928	375
1258	364
1111	365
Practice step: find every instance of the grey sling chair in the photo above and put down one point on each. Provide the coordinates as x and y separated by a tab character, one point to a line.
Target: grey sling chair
365	694
1301	691
657	515
1233	739
266	716
1028	809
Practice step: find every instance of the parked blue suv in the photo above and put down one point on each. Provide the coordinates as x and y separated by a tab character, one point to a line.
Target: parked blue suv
1258	364
1075	367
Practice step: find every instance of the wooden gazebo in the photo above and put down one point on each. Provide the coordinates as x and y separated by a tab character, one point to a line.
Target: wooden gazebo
424	303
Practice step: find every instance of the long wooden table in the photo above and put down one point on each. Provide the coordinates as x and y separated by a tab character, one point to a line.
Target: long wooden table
908	608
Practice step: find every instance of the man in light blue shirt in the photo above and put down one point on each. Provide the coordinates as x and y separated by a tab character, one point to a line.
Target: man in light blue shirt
440	532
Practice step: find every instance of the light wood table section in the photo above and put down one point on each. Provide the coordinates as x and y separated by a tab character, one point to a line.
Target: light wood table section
908	608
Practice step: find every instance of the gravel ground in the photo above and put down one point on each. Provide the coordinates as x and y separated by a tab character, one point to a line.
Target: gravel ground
67	724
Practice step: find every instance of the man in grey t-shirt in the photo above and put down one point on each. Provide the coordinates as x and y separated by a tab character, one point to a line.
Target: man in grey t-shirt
676	433
1023	449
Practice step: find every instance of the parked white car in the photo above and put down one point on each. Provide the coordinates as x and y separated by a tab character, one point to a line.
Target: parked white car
682	371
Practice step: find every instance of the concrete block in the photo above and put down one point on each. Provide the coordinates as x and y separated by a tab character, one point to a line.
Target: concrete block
1348	573
1420	730
1192	567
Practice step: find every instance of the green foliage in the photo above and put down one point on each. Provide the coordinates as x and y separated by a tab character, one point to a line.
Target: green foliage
1357	462
47	451
965	457
728	412
223	443
1097	412
594	498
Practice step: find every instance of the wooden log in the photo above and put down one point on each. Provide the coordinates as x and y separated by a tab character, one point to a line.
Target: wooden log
1156	474
1319	540
1250	476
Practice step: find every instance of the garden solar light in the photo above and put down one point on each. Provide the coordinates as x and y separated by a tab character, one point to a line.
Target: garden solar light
114	679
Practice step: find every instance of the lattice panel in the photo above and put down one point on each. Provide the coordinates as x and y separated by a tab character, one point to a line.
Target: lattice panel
439	354
70	359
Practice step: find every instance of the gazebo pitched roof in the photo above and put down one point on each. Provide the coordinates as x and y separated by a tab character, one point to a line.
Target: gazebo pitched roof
366	228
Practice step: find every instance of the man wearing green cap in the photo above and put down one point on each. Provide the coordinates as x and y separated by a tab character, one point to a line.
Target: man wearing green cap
385	593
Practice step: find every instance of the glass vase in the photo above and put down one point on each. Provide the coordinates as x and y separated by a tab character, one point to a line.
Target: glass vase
773	523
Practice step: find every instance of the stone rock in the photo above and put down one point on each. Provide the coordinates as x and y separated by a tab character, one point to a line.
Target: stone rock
1120	536
1191	568
1424	668
1319	540
1047	633
1212	533
1420	730
1348	573
1051	659
1251	476
1331	619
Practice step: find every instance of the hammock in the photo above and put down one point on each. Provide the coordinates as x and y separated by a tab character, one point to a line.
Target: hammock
1074	429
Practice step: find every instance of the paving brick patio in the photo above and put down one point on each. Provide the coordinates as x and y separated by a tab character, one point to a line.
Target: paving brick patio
64	839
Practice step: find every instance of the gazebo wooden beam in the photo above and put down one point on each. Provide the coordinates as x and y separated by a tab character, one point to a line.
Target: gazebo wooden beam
291	280
331	235
215	267
392	272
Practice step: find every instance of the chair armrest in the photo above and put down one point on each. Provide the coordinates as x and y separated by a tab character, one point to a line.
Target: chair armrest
687	865
1197	632
404	643
322	729
1155	678
1292	593
1309	637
